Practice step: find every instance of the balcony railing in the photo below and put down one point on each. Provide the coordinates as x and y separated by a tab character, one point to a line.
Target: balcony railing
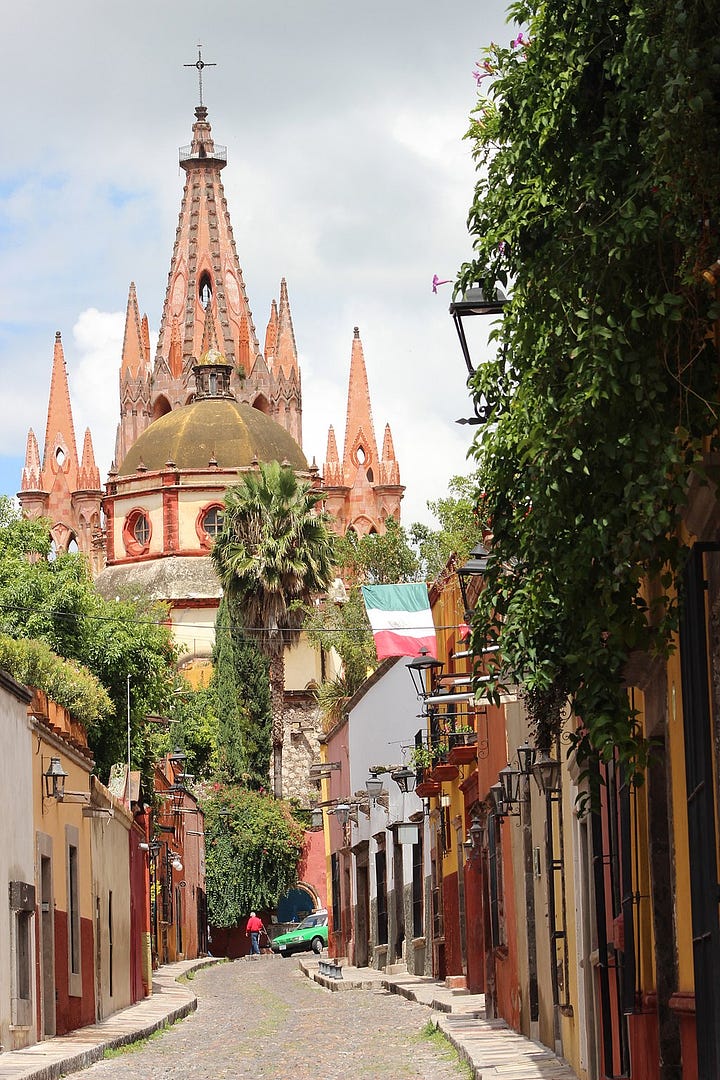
219	154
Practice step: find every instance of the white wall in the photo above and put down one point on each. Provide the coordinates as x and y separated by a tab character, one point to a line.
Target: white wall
16	858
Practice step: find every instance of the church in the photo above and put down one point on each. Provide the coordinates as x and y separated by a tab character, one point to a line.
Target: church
208	407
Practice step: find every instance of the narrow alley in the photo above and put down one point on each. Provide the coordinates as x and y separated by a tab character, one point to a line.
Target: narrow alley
264	1019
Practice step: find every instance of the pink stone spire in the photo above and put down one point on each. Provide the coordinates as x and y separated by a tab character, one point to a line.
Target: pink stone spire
32	471
286	350
134	355
89	477
360	446
60	453
271	334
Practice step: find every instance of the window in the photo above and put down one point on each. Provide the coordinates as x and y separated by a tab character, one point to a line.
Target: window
213	521
22	905
137	531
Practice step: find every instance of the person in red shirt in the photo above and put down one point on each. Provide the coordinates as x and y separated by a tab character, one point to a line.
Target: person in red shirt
253	930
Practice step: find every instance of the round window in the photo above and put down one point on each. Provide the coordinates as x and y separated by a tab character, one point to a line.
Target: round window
213	521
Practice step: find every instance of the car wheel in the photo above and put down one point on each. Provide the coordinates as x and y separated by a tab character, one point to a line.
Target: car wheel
285	953
317	945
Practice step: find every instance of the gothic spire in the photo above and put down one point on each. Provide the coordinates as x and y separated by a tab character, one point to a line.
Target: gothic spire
60	452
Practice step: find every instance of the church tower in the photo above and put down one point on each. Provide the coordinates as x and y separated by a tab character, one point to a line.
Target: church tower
62	488
205	275
364	488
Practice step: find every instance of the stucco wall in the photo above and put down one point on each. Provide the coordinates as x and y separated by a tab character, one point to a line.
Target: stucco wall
16	856
111	892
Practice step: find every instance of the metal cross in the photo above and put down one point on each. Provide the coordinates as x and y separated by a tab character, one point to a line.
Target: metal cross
200	64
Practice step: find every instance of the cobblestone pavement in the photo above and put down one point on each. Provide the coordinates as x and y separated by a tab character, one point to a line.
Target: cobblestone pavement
263	1019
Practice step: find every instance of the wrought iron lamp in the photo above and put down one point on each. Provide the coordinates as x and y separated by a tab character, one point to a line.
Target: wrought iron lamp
526	758
510	784
473	303
546	771
405	779
54	779
475	566
374	787
419	667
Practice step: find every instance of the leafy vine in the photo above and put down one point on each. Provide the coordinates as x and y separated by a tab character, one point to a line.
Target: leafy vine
596	137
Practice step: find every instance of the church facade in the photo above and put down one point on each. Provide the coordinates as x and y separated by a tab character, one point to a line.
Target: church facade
209	406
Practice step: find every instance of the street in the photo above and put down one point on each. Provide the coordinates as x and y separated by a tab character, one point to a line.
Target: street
265	1019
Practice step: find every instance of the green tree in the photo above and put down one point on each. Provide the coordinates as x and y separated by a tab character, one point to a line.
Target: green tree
273	554
253	848
597	136
242	698
55	601
458	529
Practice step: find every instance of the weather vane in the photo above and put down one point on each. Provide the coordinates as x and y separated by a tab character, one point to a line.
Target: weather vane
200	64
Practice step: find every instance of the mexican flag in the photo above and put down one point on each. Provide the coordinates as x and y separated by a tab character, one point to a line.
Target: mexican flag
401	619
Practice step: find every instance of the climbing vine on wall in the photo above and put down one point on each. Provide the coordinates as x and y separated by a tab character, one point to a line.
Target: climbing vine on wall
253	849
597	138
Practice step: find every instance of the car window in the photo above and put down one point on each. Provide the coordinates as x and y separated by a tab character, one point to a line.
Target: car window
312	920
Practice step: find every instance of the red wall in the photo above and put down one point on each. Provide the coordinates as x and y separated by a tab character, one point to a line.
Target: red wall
312	869
73	1012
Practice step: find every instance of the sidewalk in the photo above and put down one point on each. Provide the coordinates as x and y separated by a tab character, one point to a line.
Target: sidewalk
493	1049
53	1058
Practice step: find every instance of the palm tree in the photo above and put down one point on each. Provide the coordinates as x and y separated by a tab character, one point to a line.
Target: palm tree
273	553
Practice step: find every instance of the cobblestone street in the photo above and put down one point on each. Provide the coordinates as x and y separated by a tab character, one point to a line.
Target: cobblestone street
265	1019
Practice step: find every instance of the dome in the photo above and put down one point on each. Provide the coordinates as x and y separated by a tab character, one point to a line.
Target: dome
223	430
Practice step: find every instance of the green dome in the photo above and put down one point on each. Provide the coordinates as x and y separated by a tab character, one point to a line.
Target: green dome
214	429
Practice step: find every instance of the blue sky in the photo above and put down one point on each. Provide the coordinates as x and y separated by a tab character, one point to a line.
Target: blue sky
347	174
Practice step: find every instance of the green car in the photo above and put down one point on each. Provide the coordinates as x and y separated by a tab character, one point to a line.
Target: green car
311	933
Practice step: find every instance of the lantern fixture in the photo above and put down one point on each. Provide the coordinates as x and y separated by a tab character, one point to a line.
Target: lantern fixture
405	779
475	302
316	818
510	783
177	758
475	566
374	787
419	667
407	832
526	758
496	798
546	771
342	811
54	779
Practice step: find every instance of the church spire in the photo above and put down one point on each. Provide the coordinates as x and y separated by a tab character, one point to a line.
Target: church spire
134	378
204	273
60	453
360	446
363	490
60	488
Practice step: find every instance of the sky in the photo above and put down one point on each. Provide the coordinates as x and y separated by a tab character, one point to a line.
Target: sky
347	174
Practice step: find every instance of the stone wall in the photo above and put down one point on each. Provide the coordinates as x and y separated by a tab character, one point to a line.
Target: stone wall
301	747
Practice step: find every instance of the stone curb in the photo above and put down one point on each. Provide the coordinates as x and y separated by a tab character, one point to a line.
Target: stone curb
490	1047
87	1045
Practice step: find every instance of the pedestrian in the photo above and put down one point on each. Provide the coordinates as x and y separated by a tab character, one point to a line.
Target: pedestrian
253	930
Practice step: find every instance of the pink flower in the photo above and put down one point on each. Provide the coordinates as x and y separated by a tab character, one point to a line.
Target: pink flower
518	41
484	71
436	281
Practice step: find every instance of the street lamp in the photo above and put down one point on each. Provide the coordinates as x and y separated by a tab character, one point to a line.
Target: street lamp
405	779
54	779
526	758
475	302
419	667
546	771
342	812
510	784
374	787
475	566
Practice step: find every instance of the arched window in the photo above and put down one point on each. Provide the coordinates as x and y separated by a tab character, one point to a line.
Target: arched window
205	289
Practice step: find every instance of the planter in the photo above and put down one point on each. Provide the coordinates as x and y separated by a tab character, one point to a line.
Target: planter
427	789
444	772
463	755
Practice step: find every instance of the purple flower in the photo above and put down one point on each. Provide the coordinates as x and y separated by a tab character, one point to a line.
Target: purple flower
436	281
484	71
519	40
